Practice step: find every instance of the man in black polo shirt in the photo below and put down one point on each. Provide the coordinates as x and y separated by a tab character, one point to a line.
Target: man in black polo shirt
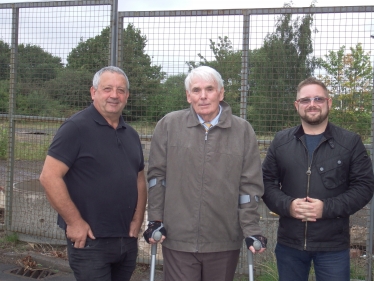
93	176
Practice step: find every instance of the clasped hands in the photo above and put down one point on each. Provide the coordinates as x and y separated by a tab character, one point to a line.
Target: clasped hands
306	209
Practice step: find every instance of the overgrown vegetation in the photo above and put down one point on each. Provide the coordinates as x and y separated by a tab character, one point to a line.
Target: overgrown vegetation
3	143
9	240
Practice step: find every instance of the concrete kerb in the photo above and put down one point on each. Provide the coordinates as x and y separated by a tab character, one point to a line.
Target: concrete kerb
46	262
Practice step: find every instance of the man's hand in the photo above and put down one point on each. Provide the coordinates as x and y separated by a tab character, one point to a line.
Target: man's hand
306	209
154	226
252	239
78	232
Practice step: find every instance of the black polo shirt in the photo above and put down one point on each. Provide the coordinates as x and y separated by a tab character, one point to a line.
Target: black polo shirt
103	169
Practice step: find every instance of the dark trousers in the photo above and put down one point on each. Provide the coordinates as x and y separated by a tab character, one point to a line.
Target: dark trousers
183	266
294	265
104	259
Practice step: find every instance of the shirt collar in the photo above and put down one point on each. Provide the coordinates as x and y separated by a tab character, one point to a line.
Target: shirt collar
215	120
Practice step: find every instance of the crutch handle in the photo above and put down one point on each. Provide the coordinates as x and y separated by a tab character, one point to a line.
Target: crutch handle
257	245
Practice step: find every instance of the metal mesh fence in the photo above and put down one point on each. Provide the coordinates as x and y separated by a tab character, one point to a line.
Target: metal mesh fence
41	85
275	49
50	51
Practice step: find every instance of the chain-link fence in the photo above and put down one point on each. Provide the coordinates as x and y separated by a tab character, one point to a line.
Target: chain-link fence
49	52
41	85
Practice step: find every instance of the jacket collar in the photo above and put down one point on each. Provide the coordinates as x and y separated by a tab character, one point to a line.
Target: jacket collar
327	133
224	120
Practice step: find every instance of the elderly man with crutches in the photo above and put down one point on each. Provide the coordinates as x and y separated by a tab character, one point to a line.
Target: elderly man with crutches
205	184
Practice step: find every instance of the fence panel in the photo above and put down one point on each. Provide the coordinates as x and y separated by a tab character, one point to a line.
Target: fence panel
49	52
277	48
47	62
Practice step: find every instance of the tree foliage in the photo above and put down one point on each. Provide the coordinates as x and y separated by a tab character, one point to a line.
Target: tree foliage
227	62
284	60
61	89
35	66
145	78
171	97
349	80
275	69
92	54
4	60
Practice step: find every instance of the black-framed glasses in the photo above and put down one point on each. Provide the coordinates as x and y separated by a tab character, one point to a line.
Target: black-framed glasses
317	100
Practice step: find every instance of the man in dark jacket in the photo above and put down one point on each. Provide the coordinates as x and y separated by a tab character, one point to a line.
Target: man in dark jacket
316	175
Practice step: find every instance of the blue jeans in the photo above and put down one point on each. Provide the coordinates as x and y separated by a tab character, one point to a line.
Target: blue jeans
104	259
294	265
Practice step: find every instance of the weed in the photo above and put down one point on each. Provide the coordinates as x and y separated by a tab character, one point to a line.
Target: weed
9	240
3	143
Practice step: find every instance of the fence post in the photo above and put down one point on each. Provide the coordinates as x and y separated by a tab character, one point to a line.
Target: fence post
11	125
244	71
114	33
369	244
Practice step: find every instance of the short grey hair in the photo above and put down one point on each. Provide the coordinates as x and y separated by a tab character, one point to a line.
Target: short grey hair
112	69
206	73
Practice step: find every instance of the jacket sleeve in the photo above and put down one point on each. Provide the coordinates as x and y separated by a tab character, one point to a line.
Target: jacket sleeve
157	172
360	186
251	184
275	199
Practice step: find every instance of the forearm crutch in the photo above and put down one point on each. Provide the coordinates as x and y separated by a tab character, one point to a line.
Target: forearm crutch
257	246
157	237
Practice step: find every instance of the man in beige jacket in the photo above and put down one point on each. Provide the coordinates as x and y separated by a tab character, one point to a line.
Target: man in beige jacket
205	182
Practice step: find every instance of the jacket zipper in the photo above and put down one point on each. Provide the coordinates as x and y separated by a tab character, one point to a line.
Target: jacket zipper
202	184
308	172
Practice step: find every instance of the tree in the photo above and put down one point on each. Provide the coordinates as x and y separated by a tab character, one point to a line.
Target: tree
4	96
145	78
172	97
4	60
74	97
92	54
348	78
35	66
227	62
276	68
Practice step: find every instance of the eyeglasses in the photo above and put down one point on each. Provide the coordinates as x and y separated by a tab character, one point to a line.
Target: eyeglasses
317	100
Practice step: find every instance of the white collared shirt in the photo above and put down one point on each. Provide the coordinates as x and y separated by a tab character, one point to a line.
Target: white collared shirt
213	122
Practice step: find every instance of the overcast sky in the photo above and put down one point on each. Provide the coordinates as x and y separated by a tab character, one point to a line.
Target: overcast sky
48	42
151	5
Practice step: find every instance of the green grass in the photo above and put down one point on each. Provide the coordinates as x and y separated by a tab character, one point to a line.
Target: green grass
8	240
30	142
31	150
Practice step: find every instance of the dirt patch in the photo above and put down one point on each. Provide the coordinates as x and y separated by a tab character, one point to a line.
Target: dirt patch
23	254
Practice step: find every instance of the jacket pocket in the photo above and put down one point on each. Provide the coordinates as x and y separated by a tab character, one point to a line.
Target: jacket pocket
333	172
